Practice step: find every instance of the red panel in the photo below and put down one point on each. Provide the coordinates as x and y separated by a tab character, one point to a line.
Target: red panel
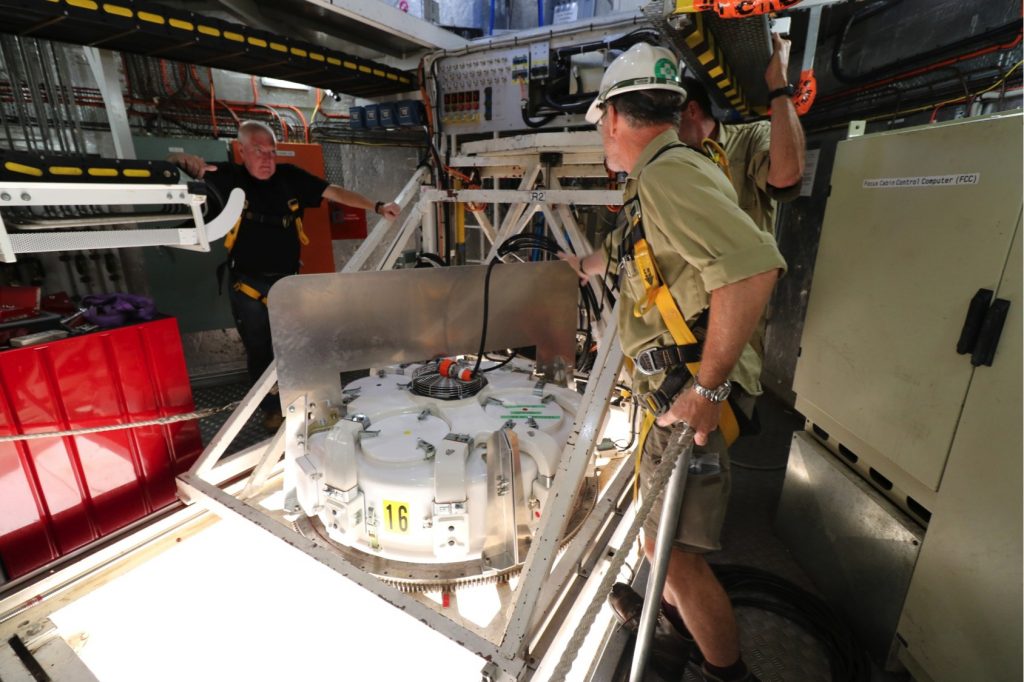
318	255
347	222
58	494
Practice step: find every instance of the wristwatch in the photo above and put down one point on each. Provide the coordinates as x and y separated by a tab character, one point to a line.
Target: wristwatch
714	395
376	207
786	91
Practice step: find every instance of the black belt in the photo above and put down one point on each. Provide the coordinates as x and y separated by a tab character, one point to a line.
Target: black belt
658	359
660	399
285	221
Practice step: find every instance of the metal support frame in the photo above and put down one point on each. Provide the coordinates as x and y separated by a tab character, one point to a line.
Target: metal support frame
552	570
383	226
508	650
574	460
104	69
194	238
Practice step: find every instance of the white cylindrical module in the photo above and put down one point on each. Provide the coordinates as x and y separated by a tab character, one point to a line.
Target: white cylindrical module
404	476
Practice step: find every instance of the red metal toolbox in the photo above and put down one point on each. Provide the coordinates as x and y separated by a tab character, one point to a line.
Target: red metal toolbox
59	494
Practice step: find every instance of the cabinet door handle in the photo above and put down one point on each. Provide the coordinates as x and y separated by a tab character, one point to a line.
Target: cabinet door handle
991	330
972	323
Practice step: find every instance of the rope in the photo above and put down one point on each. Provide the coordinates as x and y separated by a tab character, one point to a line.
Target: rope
198	414
679	441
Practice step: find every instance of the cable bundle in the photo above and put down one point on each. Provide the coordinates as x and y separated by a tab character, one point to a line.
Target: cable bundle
759	589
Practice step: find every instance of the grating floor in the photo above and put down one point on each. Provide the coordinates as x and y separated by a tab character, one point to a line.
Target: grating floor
228	391
776	649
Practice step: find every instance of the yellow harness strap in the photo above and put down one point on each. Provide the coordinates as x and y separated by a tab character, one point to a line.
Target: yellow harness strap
659	295
717	154
645	428
232	235
293	205
249	291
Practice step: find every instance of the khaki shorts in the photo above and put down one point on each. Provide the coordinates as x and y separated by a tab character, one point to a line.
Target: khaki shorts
706	495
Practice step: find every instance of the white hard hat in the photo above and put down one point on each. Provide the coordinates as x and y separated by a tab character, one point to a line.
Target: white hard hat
641	67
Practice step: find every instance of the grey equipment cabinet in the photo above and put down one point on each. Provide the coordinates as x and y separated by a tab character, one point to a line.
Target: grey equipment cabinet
918	222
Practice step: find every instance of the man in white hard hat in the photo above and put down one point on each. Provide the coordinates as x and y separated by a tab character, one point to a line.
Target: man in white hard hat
681	212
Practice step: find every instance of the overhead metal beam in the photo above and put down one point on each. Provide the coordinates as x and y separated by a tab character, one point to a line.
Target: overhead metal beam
394	22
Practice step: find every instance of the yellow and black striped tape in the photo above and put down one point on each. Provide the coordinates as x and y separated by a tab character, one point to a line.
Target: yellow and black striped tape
704	46
126	9
32	167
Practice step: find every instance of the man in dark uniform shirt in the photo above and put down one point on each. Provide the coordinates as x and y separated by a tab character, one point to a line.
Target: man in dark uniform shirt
267	243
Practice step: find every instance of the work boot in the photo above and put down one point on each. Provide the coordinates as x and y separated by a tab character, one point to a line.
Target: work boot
272	421
745	674
626	604
669	651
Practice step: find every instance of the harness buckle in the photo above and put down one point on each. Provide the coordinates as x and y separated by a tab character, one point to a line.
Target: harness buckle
656	402
645	362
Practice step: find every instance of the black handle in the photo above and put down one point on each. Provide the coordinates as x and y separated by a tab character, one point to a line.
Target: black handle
972	323
991	330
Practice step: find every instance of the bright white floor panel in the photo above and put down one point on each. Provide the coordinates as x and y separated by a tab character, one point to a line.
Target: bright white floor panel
233	604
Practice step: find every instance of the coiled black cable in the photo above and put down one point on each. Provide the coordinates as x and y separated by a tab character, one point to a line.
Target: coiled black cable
754	588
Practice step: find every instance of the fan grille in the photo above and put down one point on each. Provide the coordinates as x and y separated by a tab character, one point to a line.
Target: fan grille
428	382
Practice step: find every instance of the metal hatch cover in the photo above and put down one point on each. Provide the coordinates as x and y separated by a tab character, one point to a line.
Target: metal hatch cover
325	324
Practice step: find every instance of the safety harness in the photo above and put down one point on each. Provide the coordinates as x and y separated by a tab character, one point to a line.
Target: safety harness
716	153
292	219
681	361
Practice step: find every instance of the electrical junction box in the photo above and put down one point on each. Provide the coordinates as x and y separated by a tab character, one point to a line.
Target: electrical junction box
356	118
410	113
388	115
372	117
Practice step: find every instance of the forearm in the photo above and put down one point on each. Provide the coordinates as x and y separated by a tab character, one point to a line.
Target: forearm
786	150
349	198
595	263
735	311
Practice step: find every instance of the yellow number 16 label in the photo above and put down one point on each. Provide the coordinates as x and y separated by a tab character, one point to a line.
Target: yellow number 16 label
396	516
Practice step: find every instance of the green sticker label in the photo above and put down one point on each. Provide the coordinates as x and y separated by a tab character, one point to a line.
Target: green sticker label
665	68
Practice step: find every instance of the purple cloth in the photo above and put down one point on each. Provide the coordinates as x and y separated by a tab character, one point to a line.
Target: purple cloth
114	310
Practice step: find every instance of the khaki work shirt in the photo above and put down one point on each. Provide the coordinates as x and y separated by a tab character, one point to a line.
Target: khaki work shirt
700	239
746	146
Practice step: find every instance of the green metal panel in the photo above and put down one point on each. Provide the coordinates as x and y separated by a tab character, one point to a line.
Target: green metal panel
184	283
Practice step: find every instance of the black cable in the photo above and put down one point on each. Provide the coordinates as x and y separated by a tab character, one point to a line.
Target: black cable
838	69
483	331
501	363
430	260
754	588
995	35
537	123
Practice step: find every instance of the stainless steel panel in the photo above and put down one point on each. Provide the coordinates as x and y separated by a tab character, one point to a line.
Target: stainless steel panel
325	324
856	546
508	531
